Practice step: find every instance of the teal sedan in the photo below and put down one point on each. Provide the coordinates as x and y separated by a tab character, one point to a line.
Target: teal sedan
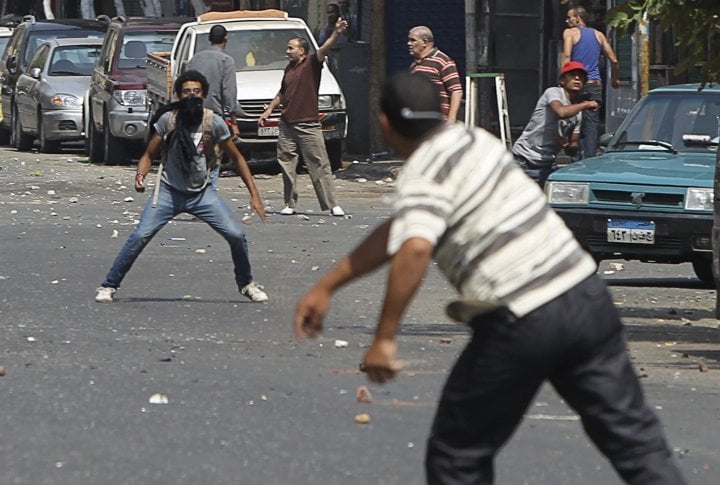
649	196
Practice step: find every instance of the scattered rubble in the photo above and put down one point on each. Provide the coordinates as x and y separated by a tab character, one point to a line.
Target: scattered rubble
362	418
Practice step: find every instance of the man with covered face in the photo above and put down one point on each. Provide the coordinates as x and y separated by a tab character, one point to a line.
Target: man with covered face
190	137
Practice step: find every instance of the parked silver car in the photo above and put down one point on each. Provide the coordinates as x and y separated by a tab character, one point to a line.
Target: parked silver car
49	94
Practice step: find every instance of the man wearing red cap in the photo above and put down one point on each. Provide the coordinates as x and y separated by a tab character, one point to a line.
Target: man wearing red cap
554	124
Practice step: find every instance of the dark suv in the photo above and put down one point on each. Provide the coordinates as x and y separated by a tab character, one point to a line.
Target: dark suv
116	104
26	38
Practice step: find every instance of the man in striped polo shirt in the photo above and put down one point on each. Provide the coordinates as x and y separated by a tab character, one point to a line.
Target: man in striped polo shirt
531	295
438	66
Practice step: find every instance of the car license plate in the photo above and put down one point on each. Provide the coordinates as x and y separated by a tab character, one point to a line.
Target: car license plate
631	232
268	130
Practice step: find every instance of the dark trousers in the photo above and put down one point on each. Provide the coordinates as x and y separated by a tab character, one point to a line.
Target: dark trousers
539	173
577	343
590	127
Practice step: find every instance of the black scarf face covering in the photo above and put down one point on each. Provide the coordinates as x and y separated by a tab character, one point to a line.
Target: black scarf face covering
179	141
190	115
190	112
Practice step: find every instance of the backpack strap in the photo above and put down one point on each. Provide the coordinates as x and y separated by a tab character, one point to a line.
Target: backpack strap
212	150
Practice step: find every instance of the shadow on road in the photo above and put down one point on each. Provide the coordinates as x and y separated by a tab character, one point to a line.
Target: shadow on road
191	299
689	283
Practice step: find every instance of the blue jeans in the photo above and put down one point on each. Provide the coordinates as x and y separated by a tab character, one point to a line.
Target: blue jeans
214	176
589	130
207	206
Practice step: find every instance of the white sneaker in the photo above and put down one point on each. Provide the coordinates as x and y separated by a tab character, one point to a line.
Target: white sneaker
105	294
287	211
254	292
337	211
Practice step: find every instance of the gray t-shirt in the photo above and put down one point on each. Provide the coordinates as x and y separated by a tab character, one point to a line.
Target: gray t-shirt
539	141
197	177
219	69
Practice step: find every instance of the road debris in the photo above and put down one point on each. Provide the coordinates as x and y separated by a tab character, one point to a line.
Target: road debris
158	398
363	395
341	344
362	418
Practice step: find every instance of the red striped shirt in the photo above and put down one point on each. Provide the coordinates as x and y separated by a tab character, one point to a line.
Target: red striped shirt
443	72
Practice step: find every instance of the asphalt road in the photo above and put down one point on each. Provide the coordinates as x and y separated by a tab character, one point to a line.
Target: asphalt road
246	403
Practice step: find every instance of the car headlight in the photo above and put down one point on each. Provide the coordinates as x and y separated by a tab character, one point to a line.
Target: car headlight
131	97
699	199
65	101
567	192
328	101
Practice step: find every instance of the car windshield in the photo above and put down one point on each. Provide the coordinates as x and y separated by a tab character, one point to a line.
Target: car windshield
683	122
74	60
256	50
39	37
136	45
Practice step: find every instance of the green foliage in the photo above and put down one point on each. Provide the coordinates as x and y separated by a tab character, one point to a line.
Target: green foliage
695	24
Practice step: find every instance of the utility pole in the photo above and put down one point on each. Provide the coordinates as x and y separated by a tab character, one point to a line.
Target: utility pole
643	44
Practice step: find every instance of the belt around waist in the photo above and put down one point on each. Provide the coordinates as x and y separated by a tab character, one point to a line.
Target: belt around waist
593	81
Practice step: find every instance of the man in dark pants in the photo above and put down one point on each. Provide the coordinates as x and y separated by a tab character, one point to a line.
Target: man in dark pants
531	295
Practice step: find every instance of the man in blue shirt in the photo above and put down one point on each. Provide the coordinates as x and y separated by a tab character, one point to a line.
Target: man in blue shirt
584	44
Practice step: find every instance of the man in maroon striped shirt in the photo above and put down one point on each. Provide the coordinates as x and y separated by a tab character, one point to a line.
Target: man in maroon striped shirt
438	66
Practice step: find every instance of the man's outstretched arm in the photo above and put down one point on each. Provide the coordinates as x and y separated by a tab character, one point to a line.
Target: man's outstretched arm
324	49
407	271
368	256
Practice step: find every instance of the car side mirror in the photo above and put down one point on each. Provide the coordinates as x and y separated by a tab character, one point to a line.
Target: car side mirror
11	64
35	72
604	140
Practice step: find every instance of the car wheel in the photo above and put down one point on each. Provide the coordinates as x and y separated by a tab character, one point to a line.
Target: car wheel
334	151
114	150
703	270
4	136
46	146
23	141
94	143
